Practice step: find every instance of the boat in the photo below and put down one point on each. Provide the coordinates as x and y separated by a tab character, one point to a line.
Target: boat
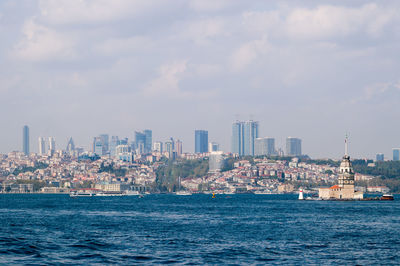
109	194
262	192
81	194
183	193
387	197
132	193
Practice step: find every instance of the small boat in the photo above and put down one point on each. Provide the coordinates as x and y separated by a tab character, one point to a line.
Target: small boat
387	197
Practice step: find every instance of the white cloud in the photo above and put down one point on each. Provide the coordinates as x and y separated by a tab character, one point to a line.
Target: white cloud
122	46
247	53
167	83
94	11
209	5
42	43
205	30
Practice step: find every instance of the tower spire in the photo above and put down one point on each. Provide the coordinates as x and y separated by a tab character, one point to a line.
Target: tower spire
346	148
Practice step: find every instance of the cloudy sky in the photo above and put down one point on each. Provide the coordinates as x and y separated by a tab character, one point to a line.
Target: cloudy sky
310	69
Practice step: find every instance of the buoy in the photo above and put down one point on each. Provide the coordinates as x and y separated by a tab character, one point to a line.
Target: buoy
301	196
213	196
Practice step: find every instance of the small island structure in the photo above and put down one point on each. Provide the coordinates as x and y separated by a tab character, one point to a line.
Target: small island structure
344	190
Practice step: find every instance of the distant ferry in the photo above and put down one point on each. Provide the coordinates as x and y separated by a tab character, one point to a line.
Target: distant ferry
387	197
183	193
81	194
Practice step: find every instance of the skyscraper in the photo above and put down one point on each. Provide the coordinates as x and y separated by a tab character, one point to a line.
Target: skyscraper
104	140
380	157
250	134
293	146
201	141
98	146
70	146
148	140
25	140
243	137
52	145
170	147
42	146
264	146
158	146
113	145
178	148
396	154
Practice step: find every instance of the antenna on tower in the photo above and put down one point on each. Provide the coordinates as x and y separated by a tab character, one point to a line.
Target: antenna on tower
346	144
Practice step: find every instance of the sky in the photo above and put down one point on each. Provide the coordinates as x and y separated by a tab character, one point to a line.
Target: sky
309	69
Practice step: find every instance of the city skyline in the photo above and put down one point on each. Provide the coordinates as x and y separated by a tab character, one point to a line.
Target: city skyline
179	66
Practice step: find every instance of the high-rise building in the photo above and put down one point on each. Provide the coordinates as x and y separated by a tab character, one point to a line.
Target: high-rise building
213	146
70	146
170	147
98	146
25	140
158	146
293	146
396	154
104	140
178	148
243	137
148	140
215	161
52	145
113	145
201	141
264	146
143	141
42	146
380	157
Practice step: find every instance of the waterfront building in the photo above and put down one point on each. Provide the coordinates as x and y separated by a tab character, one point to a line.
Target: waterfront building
396	154
293	146
52	146
158	146
345	187
264	146
201	141
42	146
25	140
213	146
380	157
215	161
243	137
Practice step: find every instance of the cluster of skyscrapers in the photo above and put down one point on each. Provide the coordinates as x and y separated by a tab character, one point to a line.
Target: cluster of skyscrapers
246	141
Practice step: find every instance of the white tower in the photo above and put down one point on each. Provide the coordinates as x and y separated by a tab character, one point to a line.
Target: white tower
346	172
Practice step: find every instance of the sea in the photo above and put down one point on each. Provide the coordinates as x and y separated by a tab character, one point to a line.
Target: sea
39	229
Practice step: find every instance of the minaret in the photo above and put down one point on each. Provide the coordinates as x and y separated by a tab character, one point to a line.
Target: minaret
346	172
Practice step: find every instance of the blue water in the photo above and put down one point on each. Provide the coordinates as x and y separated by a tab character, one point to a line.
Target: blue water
239	229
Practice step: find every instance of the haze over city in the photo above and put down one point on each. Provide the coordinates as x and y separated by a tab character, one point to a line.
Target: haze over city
309	69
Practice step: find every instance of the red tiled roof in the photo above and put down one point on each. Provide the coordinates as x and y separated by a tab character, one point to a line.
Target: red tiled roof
334	187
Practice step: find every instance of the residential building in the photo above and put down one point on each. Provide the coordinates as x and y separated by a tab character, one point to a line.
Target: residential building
158	146
178	148
215	161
